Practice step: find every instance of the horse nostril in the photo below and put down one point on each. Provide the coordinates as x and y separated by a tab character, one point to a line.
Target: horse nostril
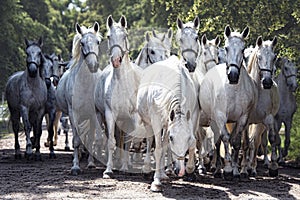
267	83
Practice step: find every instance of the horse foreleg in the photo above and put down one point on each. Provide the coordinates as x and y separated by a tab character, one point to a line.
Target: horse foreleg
37	130
27	127
56	125
16	125
245	159
287	140
158	153
147	160
111	143
228	171
273	167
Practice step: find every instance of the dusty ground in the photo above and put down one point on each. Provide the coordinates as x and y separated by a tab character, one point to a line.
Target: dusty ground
51	179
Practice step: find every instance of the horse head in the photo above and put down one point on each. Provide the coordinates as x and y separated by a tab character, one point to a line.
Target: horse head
34	56
289	71
56	72
209	52
166	38
187	37
117	40
89	44
156	50
234	47
266	58
179	130
47	69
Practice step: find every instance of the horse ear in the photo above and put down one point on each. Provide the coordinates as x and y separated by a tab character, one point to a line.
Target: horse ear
170	33
245	32
40	42
147	36
217	41
96	27
78	28
123	21
274	42
196	23
227	31
172	115
179	23
27	42
203	39
109	21
259	41
154	33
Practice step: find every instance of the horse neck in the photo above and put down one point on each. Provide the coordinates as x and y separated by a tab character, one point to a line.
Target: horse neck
282	85
254	70
142	59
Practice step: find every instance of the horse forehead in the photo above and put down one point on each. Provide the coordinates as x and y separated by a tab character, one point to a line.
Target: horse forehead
117	31
235	42
33	48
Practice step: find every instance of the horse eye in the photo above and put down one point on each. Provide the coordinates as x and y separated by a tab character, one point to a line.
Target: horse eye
171	138
82	44
98	42
226	49
152	52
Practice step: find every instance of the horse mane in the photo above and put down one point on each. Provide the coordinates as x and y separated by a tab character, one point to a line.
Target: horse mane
76	48
252	59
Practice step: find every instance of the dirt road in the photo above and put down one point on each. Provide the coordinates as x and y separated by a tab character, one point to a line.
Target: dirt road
51	179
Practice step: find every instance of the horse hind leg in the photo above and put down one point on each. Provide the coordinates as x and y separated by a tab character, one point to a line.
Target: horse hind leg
287	140
16	127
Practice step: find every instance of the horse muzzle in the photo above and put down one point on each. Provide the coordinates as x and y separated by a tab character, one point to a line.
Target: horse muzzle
267	83
233	74
48	82
116	62
32	70
190	66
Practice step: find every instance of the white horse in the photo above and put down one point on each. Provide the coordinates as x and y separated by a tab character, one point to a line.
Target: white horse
227	94
115	94
156	48
207	59
261	69
165	101
75	90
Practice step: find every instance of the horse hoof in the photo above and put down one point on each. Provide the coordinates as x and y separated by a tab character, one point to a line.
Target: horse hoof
217	174
156	187
213	169
28	156
190	177
75	171
91	166
273	172
281	163
253	174
202	171
38	157
67	148
228	176
147	176
52	155
107	175
18	156
244	176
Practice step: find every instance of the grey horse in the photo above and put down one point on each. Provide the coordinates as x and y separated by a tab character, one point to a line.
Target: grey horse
26	95
75	88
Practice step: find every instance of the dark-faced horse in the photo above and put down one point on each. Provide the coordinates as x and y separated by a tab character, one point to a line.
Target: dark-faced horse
26	95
